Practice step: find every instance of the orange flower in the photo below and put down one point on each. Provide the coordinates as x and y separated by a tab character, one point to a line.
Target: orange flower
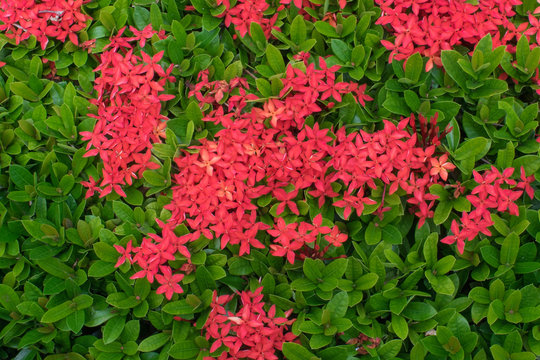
441	167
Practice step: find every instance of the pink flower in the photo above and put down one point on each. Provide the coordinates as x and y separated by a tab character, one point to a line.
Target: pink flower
169	282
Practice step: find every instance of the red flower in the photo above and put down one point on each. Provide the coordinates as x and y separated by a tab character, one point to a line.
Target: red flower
169	282
336	238
526	182
440	167
91	185
126	254
286	200
251	333
455	238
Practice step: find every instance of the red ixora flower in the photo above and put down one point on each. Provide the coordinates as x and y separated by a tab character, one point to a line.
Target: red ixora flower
251	332
266	152
169	282
128	119
59	19
428	27
495	191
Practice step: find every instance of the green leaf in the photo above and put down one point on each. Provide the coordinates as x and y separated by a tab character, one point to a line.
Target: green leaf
480	295
442	211
113	328
141	17
326	29
498	352
298	30
153	342
373	234
394	259
312	269
75	321
506	156
400	326
390	349
106	252
412	100
21	89
20	176
204	278
414	67
318	341
180	307
55	267
257	34
134	196
239	266
449	60
153	178
293	351
444	265
367	281
441	284
392	235
531	163
28	308
475	148
155	16
275	59
396	104
68	356
265	89
303	284
526	267
122	300
430	249
335	269
454	136
185	349
58	312
496	290
513	342
100	269
509	249
341	50
512	302
338	305
419	311
522	50
83	301
232	71
67	117
193	112
123	212
489	88
80	58
8	298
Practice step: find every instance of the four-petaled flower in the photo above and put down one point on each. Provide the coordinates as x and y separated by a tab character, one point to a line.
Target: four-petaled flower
169	282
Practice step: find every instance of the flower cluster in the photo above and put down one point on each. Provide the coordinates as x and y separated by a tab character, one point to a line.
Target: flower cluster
495	190
293	238
265	150
246	12
251	332
362	341
59	19
428	27
152	257
391	156
269	152
129	106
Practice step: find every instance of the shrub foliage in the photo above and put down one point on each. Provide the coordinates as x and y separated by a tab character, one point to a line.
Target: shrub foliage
256	179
